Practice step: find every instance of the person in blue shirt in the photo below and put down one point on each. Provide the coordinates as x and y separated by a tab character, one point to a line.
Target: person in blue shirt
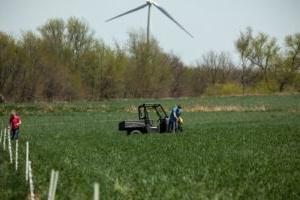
174	117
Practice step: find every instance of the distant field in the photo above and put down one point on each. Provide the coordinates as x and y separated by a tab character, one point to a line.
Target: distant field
232	148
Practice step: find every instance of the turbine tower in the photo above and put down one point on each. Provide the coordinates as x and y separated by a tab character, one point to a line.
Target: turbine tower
151	3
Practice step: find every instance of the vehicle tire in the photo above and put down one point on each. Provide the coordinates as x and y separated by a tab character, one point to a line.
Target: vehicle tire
136	132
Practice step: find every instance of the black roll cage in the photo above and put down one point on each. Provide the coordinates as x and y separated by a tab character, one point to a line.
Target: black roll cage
144	115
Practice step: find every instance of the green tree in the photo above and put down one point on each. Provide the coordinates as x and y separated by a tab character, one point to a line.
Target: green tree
148	74
288	65
53	36
263	52
29	74
59	82
258	51
8	64
112	73
243	47
79	38
179	74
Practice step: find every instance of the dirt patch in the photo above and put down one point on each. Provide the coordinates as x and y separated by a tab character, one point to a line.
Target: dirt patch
224	108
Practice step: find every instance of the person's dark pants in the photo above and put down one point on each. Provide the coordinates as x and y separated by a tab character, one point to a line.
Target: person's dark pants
172	126
14	134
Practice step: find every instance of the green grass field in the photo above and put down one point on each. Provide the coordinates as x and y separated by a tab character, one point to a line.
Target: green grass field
247	154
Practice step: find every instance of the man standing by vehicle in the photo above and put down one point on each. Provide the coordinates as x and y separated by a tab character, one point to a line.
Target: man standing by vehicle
174	117
15	122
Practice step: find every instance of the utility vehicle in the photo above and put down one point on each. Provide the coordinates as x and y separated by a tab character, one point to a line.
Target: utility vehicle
152	119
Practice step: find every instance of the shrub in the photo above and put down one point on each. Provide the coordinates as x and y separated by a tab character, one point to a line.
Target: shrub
263	88
230	88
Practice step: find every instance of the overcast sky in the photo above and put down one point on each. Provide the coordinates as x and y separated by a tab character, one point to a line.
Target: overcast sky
216	24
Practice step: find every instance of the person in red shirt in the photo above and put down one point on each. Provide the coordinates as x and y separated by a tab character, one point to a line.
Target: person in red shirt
15	122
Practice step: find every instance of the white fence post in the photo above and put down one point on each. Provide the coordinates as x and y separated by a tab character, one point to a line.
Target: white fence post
26	162
4	140
1	132
30	181
9	147
53	185
96	191
17	151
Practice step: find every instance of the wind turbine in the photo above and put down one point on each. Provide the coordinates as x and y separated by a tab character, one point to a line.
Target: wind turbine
151	3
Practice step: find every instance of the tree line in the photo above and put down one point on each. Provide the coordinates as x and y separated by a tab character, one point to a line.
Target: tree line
63	60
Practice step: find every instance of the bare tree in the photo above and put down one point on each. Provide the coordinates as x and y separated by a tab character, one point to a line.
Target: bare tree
218	67
210	66
226	67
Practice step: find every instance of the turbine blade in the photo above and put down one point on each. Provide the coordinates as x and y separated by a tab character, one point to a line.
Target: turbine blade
128	12
171	18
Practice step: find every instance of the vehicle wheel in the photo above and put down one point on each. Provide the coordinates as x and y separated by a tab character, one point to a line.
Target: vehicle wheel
135	132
